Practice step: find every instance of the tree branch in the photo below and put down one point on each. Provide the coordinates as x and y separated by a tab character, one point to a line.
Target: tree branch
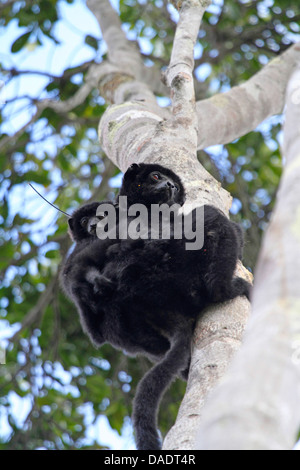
93	76
244	107
216	340
36	313
13	72
8	3
179	75
121	52
126	72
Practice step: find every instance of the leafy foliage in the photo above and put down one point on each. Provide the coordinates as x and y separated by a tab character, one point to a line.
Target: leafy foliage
52	372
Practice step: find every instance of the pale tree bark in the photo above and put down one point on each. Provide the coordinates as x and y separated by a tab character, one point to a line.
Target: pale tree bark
136	129
244	107
257	404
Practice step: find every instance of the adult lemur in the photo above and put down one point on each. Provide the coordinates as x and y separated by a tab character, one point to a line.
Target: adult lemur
144	296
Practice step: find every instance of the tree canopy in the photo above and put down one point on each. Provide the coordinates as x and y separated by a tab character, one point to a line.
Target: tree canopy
49	118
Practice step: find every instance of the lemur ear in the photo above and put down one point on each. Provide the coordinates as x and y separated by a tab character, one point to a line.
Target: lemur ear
135	166
132	171
71	223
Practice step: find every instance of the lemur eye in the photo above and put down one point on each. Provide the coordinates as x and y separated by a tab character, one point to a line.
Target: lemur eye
84	221
156	176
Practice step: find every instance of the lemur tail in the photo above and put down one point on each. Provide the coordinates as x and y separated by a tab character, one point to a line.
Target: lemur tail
152	387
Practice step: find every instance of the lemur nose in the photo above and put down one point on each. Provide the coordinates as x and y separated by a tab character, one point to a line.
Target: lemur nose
170	184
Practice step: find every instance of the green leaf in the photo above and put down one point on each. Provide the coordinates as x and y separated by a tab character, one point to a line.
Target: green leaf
91	41
20	42
51	254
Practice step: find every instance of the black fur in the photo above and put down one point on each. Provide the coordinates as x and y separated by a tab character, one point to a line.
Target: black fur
82	230
144	296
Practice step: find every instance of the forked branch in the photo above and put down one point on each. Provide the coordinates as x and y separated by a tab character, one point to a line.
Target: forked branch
179	75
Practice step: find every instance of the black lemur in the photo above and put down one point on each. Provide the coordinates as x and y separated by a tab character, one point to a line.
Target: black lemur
144	296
